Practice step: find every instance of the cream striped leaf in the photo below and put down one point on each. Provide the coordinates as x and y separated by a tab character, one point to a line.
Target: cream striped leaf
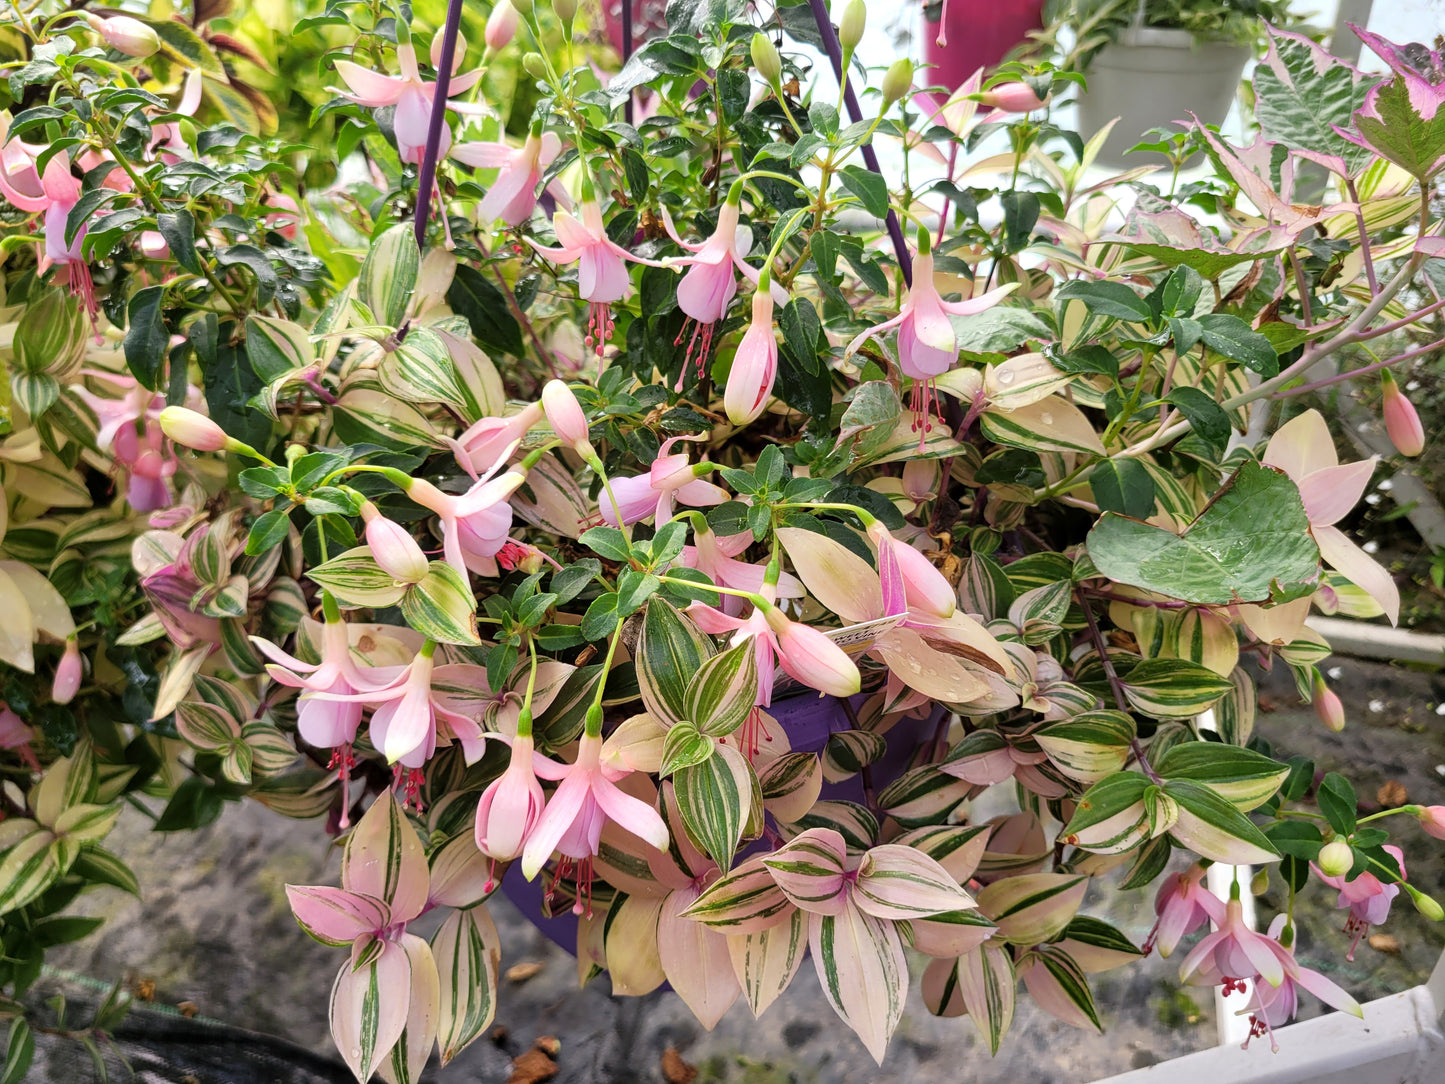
860	964
468	953
1173	688
766	960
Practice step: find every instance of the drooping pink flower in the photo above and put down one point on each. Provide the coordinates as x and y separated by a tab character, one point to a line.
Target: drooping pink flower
1304	449
1367	898
511	806
1432	819
710	283
587	797
715	556
16	734
53	194
670	480
602	277
1015	97
927	342
326	724
393	547
1270	1007
565	415
410	94
1402	420
755	365
474	523
68	673
151	467
1329	708
1234	954
513	195
501	26
486	443
1183	904
131	430
909	580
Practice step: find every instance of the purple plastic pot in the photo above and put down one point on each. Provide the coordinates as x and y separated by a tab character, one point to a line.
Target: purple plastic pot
809	720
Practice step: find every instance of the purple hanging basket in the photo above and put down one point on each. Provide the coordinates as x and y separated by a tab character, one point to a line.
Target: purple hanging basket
809	720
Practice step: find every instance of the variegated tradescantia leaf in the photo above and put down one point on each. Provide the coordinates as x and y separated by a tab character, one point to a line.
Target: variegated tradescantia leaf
468	954
369	1007
744	901
630	945
898	882
987	985
696	960
957	848
850	751
1173	688
1234	712
441	606
670	652
854	822
1112	818
715	798
1033	908
810	869
355	579
1096	946
925	795
860	964
1059	986
1212	828
1242	777
791	785
409	1055
1089	746
766	960
723	691
389	273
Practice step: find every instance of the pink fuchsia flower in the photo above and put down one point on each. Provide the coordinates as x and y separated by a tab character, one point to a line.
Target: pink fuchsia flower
410	94
1016	97
511	806
16	734
1329	709
188	428
513	195
1183	904
151	467
1304	450
715	556
755	365
586	798
474	523
670	481
566	417
501	26
131	430
602	277
125	35
1234	954
927	342
390	984
1367	898
1270	1007
487	443
393	547
68	673
54	194
909	580
1402	421
710	283
1432	819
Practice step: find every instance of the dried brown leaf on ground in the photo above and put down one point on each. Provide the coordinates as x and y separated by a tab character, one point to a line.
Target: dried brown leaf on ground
523	971
533	1067
675	1070
1392	794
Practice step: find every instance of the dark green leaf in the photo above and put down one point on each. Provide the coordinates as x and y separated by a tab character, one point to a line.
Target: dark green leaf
147	339
1123	486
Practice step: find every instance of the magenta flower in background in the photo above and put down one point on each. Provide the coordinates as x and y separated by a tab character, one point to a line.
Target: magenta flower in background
16	734
1183	904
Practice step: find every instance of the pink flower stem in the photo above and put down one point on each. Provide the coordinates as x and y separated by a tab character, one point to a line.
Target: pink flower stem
427	180
1364	238
1376	367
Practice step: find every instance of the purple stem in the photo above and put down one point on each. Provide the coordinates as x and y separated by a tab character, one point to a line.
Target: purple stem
1364	370
870	158
427	181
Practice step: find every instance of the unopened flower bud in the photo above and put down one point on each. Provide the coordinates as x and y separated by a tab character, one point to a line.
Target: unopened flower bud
1259	883
459	50
1335	858
125	35
192	430
534	65
807	655
1016	97
766	59
566	11
501	25
153	245
897	81
68	673
920	479
1327	705
565	415
393	547
1432	819
851	26
1402	421
1426	905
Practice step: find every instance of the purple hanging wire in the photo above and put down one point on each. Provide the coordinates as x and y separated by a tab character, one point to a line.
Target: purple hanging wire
870	158
627	51
427	180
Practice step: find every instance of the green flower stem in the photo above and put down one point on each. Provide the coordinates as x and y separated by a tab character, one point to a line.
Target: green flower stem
593	724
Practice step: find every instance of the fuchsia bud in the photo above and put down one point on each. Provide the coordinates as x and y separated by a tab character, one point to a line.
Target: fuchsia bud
1432	819
393	547
501	25
1335	858
192	430
920	479
459	52
565	415
1328	707
755	366
810	657
153	245
1012	98
68	673
125	35
1402	421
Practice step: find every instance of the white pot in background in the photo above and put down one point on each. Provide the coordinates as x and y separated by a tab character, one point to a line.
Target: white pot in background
1151	78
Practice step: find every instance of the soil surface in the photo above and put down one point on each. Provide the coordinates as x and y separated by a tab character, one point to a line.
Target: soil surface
214	931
